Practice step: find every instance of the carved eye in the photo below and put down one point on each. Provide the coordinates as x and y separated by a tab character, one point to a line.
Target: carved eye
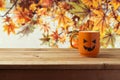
94	41
84	41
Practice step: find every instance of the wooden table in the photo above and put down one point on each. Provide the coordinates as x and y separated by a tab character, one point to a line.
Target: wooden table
58	64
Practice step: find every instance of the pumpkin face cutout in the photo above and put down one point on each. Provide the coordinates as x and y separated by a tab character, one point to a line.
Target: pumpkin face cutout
87	43
89	48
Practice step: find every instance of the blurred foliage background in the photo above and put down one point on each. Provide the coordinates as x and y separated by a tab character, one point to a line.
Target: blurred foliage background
57	20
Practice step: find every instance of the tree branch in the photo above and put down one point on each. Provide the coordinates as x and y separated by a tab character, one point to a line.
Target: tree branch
10	9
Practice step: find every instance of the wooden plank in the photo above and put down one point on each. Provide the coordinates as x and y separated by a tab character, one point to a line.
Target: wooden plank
51	49
67	58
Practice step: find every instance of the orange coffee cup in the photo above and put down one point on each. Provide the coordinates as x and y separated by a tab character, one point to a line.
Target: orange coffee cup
88	43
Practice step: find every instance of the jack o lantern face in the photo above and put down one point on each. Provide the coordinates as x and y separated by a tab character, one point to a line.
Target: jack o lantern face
89	48
88	43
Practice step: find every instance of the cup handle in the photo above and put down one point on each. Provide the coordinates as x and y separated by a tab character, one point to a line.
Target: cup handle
71	40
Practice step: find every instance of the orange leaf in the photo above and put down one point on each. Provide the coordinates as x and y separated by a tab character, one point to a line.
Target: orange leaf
2	4
46	3
7	19
115	4
42	11
92	3
22	16
10	28
55	35
33	7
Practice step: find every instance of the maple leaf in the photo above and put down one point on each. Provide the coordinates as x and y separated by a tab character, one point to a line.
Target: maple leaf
115	15
22	16
10	28
62	18
2	4
115	4
101	20
79	9
92	3
109	38
45	39
45	27
87	26
55	36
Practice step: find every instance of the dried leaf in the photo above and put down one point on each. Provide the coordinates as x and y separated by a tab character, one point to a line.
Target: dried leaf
26	29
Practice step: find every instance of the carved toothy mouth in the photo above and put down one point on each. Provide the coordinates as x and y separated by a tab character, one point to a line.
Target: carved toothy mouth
89	48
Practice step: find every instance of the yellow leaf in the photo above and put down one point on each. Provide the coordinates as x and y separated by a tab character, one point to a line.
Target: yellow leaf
118	32
92	3
62	18
33	7
118	18
115	4
42	11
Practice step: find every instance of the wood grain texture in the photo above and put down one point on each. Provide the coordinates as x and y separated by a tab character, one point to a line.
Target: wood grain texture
58	64
54	58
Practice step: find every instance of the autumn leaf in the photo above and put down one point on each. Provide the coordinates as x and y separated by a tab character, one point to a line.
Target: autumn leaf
79	9
25	4
87	26
10	28
46	3
115	15
118	18
66	26
118	32
45	27
101	20
92	3
109	38
45	39
64	5
62	18
26	29
55	36
22	16
42	11
62	39
2	4
7	19
54	45
117	28
115	4
33	7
